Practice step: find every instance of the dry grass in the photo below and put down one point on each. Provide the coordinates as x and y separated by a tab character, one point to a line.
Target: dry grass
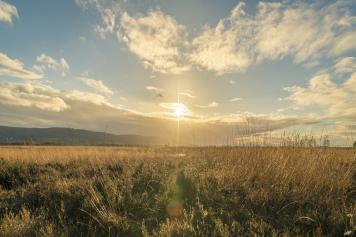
246	191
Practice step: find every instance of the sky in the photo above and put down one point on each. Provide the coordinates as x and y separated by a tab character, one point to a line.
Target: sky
201	72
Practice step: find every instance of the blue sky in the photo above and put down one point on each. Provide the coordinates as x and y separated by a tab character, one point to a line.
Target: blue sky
128	65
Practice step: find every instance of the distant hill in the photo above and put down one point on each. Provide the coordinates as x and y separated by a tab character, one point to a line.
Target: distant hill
69	136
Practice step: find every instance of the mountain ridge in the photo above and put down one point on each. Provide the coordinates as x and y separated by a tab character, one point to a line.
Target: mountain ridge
70	136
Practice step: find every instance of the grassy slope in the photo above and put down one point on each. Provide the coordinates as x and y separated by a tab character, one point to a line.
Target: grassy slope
88	191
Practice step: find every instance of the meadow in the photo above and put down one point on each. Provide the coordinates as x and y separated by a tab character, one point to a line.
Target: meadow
162	191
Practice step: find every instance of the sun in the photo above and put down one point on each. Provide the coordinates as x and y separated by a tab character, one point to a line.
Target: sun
180	110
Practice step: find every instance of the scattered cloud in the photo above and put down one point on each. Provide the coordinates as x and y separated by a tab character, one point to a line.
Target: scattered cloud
226	47
46	62
88	97
32	95
97	85
336	100
156	90
211	105
7	12
345	43
156	38
187	94
44	97
305	32
232	82
235	99
15	68
108	11
345	65
108	26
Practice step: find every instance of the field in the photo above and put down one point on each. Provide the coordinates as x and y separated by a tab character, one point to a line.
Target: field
215	191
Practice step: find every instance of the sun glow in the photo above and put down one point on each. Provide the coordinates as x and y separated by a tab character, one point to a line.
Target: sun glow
180	110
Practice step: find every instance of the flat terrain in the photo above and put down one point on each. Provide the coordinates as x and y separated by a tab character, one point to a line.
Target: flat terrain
250	191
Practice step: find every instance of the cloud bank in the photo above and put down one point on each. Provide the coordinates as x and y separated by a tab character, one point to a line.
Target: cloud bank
306	32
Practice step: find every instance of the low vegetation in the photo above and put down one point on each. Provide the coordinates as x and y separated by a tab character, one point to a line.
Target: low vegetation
246	191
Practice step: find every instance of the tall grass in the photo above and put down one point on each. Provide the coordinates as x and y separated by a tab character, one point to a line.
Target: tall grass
211	191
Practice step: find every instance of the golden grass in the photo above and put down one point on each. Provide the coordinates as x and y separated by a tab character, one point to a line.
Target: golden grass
211	191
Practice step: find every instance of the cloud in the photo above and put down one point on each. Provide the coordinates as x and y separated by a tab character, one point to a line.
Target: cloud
7	12
211	105
80	96
336	100
97	85
15	68
47	98
235	99
300	30
187	94
157	39
156	90
226	47
39	105
108	11
31	95
46	62
30	104
345	43
345	65
108	26
305	32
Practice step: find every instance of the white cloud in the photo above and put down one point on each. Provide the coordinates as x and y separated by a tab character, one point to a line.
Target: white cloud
225	48
97	85
345	65
46	62
108	10
211	105
301	30
187	94
31	95
306	32
337	100
157	39
235	99
345	43
108	23
156	90
7	12
80	96
15	68
44	97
